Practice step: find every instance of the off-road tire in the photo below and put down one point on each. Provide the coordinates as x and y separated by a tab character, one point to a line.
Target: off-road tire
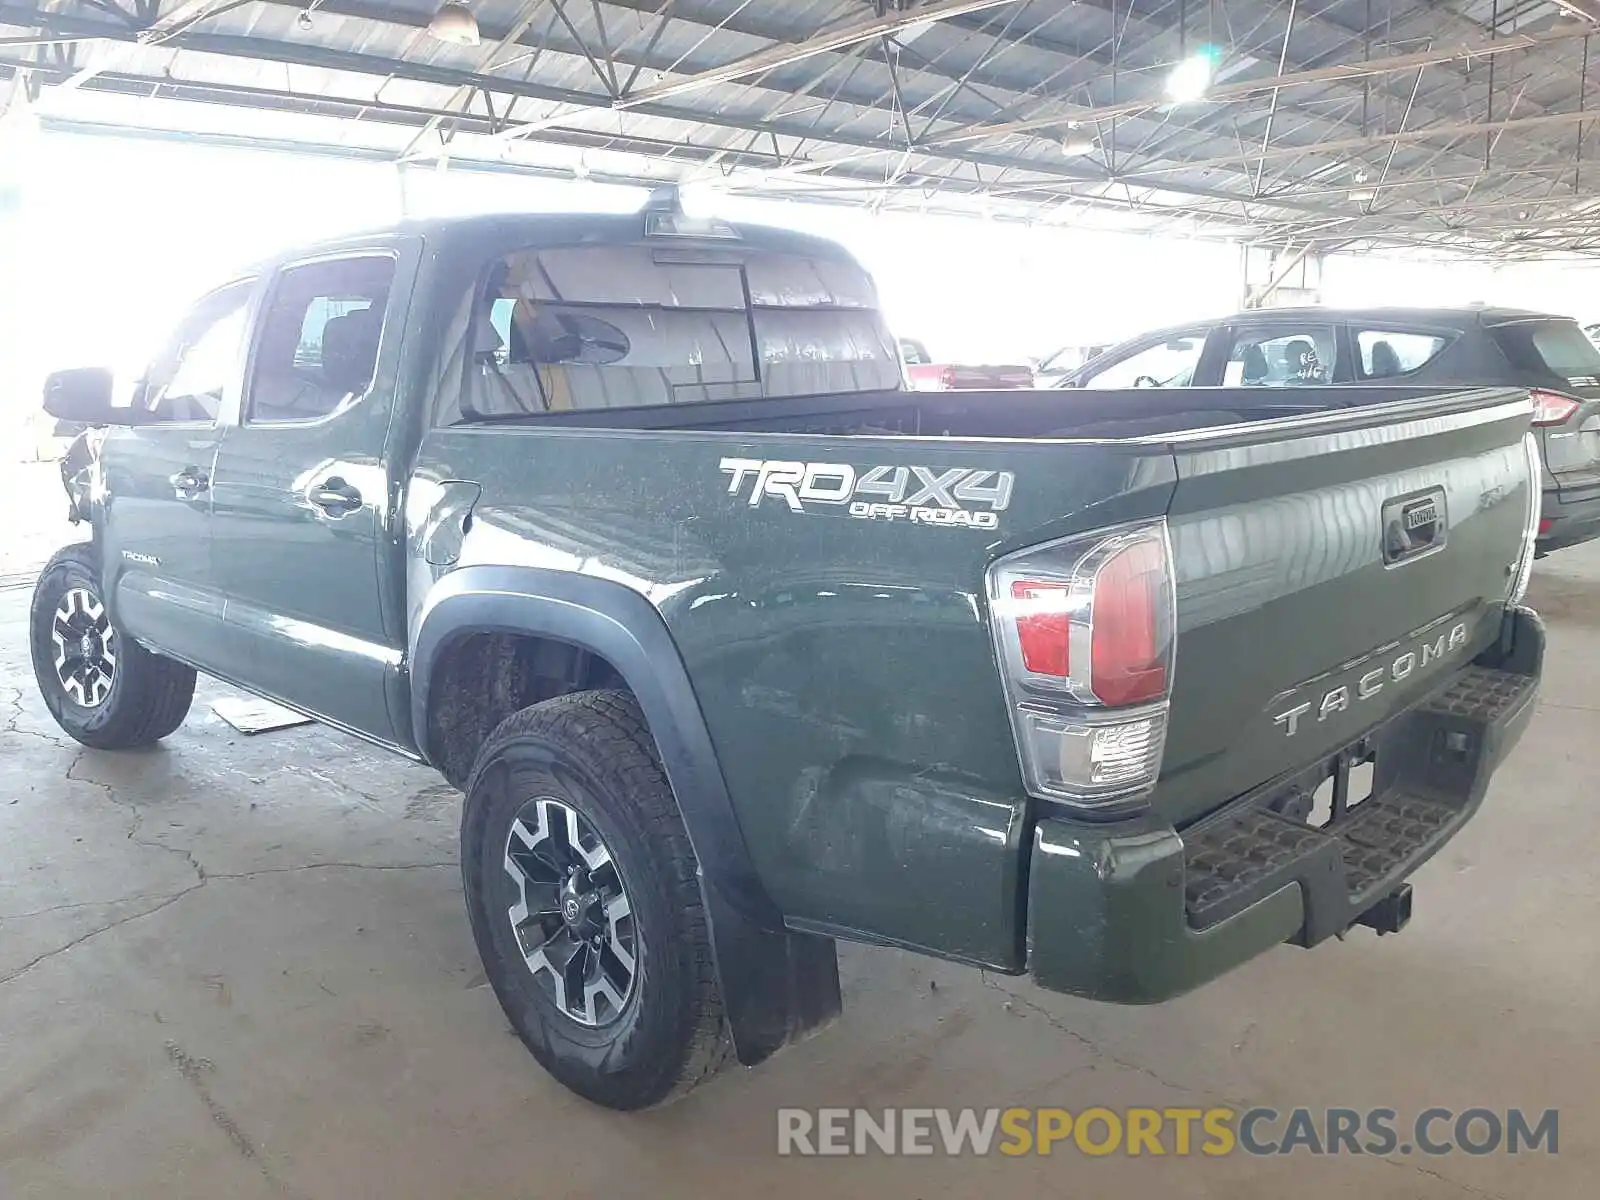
150	694
592	752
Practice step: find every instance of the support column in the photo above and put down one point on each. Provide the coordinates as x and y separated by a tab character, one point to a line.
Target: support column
1281	276
19	137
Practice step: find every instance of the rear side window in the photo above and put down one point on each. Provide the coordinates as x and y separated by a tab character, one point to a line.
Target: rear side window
318	346
1386	353
1294	356
566	329
1554	347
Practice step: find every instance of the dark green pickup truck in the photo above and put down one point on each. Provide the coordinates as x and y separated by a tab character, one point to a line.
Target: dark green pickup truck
626	526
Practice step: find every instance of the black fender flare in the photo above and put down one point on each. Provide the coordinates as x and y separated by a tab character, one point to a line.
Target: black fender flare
776	983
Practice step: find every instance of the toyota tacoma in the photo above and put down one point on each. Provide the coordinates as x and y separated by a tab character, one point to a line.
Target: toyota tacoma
628	526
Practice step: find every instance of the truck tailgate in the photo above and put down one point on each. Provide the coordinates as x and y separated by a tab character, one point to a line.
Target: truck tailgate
1330	570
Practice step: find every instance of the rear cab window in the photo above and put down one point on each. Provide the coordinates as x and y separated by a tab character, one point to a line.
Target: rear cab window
1388	353
573	328
1551	347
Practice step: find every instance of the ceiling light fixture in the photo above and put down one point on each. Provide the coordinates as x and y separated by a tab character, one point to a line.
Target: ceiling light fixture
1191	78
454	23
1078	147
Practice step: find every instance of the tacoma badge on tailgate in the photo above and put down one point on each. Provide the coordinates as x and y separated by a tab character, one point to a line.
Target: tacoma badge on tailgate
1365	679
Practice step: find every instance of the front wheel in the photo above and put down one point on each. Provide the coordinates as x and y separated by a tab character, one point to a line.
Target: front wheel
105	690
584	897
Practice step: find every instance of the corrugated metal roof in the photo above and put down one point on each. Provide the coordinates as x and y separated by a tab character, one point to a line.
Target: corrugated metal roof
1468	123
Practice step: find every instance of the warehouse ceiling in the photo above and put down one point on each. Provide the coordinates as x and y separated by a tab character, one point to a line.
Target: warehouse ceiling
1459	124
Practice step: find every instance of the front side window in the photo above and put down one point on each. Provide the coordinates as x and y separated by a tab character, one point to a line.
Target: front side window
566	329
186	383
319	339
1168	364
1296	357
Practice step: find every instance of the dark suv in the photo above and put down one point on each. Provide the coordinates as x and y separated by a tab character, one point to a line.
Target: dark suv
1293	347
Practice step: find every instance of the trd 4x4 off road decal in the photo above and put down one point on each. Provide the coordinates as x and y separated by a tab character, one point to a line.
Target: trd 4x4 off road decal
921	495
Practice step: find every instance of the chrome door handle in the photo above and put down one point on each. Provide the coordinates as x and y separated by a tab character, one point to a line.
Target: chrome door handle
335	497
189	483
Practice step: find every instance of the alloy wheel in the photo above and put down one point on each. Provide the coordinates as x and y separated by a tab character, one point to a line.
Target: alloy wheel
572	918
86	656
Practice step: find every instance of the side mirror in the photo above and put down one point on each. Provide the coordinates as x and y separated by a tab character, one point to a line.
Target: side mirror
83	394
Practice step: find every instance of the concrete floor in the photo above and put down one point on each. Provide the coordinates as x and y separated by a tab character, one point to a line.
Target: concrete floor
240	967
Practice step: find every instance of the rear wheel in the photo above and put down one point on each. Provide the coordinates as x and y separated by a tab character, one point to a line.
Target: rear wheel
105	690
585	902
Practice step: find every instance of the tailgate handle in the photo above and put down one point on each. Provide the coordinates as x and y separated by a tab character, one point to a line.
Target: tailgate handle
1413	525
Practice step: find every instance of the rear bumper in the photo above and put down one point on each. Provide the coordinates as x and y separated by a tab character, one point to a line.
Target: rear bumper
1138	917
1563	524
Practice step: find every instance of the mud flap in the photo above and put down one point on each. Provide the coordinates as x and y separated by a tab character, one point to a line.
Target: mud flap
778	986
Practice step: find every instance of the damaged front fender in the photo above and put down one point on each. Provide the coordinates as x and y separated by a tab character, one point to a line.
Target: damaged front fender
80	469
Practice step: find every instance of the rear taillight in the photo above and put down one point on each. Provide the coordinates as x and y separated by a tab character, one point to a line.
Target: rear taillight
1551	408
1039	609
1127	657
1084	630
1533	528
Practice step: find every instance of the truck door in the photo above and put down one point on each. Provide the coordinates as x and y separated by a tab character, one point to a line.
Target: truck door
302	497
156	537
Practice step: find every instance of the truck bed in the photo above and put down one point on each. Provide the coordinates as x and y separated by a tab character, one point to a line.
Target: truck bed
841	650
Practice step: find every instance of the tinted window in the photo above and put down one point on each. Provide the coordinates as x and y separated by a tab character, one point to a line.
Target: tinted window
576	328
1387	353
1557	347
319	339
1297	356
188	381
1167	364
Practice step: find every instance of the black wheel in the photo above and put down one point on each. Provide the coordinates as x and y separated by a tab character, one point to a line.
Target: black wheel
105	690
585	902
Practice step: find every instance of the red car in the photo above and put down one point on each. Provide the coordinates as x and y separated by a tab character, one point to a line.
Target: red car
925	375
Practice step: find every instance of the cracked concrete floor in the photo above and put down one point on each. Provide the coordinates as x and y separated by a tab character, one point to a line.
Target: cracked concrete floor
240	967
